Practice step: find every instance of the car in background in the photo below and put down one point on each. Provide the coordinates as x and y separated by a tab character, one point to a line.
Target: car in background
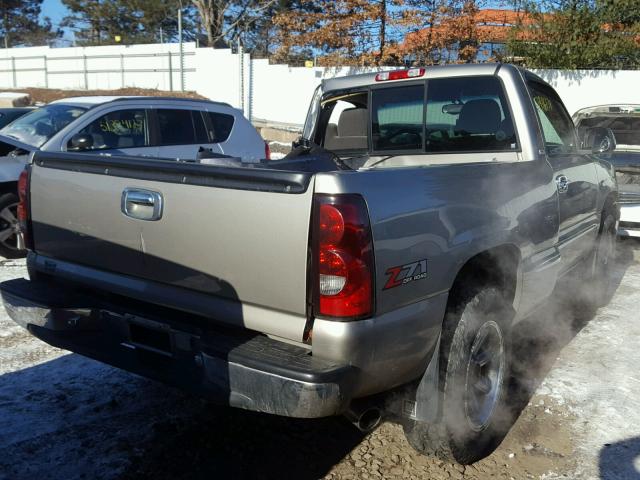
173	128
9	114
624	122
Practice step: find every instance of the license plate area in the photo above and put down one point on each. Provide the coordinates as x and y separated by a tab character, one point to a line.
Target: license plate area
151	336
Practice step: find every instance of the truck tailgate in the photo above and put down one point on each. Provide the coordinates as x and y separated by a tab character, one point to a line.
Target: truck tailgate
233	233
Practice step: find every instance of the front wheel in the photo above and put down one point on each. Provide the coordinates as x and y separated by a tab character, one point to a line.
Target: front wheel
474	373
603	260
9	227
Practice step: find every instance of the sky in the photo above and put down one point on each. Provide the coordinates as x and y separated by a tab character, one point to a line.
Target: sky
55	10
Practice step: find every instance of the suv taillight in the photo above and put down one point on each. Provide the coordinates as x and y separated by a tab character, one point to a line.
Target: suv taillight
24	216
343	282
267	151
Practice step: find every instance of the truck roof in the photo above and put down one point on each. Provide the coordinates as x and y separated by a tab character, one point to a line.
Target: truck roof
435	71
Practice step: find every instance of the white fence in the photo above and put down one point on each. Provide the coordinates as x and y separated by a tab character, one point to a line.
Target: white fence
586	88
275	93
108	67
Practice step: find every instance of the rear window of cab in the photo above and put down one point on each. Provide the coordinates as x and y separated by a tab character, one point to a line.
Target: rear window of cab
448	115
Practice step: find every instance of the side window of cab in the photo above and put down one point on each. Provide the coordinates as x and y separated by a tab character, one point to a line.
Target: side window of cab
556	124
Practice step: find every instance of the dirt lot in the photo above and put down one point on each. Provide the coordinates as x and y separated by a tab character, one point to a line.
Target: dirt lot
46	95
65	417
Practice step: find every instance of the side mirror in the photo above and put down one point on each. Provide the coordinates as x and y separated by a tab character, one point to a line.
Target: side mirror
300	142
81	141
599	140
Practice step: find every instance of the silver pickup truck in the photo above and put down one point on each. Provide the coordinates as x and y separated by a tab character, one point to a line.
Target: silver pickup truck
379	269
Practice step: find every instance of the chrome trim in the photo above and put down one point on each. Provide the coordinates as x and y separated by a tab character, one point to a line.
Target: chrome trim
141	204
563	183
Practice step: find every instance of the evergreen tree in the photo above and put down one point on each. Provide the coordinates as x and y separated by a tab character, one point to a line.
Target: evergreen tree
97	22
578	34
20	24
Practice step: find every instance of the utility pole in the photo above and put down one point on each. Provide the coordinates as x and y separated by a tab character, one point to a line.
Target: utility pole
241	73
6	30
181	49
198	28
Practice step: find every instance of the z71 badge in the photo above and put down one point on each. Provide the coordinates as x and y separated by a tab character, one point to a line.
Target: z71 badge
406	274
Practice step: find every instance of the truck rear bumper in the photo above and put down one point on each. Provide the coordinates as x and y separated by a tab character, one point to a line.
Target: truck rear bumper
232	367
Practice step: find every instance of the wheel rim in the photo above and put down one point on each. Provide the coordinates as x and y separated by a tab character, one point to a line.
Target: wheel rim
9	227
484	375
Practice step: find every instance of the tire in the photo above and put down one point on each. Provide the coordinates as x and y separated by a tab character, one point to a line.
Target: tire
603	260
9	227
475	417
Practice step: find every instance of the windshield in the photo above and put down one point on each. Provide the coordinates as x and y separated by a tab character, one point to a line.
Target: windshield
36	127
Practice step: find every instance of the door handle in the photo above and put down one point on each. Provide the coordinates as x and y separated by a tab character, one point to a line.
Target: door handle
141	204
563	183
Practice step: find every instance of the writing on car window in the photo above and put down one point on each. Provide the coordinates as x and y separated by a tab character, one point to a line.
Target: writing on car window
118	129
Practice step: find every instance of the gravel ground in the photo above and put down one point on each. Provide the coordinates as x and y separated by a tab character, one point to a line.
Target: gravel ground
47	95
65	417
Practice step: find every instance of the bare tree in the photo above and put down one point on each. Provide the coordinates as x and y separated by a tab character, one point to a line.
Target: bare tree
224	19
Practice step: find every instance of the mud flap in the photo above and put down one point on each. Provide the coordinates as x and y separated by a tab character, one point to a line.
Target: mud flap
420	402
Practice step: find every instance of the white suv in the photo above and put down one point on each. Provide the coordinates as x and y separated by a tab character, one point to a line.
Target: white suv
141	126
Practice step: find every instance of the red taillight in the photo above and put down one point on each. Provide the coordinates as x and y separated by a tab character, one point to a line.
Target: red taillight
331	225
400	74
23	213
343	256
267	151
23	185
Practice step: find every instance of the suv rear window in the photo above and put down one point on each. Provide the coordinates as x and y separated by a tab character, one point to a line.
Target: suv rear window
181	127
221	126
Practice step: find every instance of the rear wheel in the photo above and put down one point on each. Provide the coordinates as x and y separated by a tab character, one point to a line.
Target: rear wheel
9	227
474	372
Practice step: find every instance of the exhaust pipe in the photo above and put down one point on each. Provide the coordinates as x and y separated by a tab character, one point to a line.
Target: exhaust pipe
364	416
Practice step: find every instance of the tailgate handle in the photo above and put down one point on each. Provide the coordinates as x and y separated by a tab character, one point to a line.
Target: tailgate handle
141	204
